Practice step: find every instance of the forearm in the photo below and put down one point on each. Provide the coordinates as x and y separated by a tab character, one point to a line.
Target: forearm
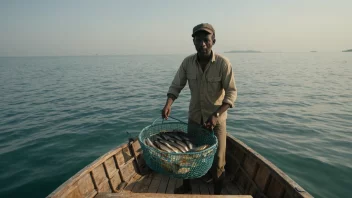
222	108
170	100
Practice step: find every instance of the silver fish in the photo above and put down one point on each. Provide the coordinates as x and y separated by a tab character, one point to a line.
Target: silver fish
166	143
179	147
182	144
162	146
175	136
149	143
199	148
167	136
157	137
183	135
189	144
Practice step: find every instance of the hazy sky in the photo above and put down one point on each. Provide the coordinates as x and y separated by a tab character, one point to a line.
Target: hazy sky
50	28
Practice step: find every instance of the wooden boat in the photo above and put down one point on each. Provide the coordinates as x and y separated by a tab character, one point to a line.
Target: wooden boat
122	172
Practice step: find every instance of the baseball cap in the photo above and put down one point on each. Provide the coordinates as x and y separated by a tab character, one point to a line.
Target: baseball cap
203	27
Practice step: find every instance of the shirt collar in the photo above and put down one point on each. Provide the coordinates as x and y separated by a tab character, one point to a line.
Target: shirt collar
213	58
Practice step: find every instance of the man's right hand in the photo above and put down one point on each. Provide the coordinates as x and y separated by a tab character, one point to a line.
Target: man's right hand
165	113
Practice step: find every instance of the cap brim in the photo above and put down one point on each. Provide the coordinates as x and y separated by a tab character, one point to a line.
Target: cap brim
202	29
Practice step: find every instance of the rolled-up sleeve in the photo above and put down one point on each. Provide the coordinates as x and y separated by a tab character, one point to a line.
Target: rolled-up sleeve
179	81
229	85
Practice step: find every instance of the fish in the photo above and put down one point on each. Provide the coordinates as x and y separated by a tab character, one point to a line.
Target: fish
169	136
175	136
183	135
149	143
162	146
183	170
179	147
173	148
184	146
165	136
173	167
157	137
189	144
199	148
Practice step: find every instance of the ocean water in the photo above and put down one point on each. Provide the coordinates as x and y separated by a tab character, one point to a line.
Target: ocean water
58	114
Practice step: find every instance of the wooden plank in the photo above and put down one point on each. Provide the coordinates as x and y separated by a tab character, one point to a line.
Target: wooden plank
154	185
262	177
276	173
287	195
203	188
171	186
252	190
115	180
224	191
136	148
163	184
128	170
120	159
86	186
91	195
211	188
66	186
240	156
179	183
74	193
143	185
195	187
242	181
275	189
104	186
126	153
132	182
143	168
231	164
110	166
250	166
137	186
137	153
99	174
157	195
232	189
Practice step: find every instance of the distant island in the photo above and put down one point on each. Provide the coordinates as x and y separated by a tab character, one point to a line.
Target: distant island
243	51
350	50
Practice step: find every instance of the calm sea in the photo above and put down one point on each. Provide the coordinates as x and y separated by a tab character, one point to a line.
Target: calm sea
58	114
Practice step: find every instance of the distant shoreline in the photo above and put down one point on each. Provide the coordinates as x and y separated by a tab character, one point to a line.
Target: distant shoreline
169	54
243	51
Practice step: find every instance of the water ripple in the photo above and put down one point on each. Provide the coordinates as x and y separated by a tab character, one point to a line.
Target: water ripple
60	113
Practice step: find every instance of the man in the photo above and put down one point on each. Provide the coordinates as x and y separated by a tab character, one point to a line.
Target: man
213	90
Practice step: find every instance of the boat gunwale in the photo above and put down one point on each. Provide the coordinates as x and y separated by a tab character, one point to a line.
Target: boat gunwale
88	168
288	181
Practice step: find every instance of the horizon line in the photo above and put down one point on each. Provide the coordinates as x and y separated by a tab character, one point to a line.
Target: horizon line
225	52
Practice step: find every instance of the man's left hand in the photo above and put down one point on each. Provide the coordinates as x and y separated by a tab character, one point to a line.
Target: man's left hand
211	122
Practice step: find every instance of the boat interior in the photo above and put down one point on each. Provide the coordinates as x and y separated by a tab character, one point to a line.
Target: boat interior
122	172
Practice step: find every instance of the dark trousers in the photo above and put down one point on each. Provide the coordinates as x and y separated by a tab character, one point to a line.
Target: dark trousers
219	162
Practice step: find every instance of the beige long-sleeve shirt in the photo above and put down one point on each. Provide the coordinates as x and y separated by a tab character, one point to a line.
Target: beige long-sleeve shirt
209	89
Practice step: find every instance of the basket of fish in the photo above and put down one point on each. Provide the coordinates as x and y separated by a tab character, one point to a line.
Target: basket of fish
177	149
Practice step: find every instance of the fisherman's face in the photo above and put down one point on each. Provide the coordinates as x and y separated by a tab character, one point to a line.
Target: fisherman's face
203	43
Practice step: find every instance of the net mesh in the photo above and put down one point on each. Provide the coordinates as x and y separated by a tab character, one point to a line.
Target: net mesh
188	165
